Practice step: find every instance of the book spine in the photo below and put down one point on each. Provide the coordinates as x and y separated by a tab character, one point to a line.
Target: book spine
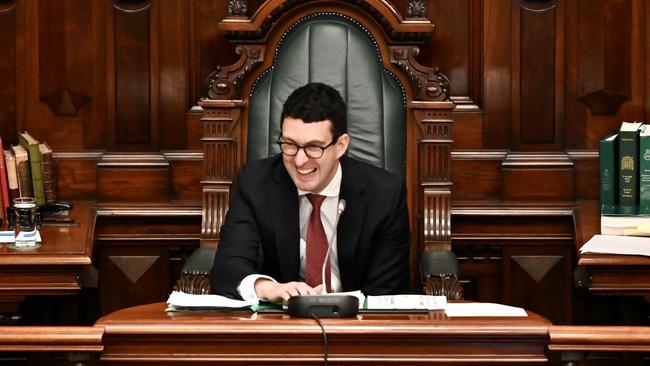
607	159
24	178
644	174
628	182
4	185
49	177
37	171
12	176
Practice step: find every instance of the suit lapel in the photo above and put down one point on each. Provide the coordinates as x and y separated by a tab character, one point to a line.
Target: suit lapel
284	210
350	222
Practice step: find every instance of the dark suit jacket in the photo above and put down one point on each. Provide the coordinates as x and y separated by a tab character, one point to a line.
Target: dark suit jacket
261	233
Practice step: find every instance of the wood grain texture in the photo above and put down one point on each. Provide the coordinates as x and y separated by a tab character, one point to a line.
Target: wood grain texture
226	338
51	339
8	72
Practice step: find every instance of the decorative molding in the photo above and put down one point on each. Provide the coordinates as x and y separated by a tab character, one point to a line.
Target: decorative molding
604	102
133	266
237	8
382	11
428	83
537	266
225	82
194	283
417	9
443	285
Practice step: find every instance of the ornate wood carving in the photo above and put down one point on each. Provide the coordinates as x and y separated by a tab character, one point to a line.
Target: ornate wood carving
384	13
237	8
443	285
194	282
427	83
417	9
221	158
225	82
434	120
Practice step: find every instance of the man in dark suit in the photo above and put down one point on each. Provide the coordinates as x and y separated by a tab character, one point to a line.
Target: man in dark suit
266	248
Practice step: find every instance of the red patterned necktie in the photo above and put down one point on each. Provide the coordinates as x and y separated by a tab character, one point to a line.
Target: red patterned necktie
316	246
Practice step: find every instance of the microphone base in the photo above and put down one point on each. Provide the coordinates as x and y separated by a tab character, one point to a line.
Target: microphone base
323	306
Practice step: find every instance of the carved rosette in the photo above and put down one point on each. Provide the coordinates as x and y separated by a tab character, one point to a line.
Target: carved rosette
417	9
237	8
428	83
225	82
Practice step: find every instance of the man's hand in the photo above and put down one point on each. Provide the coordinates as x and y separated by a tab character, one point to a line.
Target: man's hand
273	291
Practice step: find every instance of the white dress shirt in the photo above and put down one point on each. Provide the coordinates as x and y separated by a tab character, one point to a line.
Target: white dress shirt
331	192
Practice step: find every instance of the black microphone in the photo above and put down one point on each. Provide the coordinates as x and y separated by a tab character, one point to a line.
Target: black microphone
339	210
323	305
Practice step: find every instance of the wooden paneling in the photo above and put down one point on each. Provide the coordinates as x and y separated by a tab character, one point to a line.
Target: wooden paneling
173	61
537	84
456	47
133	178
64	36
8	64
537	80
132	45
140	251
496	18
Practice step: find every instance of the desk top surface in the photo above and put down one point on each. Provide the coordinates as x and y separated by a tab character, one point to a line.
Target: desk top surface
152	318
63	243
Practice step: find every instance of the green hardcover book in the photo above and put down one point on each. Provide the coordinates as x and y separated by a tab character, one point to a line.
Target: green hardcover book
607	153
644	170
30	144
628	163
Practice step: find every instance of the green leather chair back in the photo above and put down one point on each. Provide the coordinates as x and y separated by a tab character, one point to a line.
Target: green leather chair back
333	49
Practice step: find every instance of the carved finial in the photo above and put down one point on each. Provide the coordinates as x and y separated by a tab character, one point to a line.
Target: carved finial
417	9
237	7
194	283
443	285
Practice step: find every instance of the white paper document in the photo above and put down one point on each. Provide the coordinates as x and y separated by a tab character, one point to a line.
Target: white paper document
460	309
180	300
615	244
406	302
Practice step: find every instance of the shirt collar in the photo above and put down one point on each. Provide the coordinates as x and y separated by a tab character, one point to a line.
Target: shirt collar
332	189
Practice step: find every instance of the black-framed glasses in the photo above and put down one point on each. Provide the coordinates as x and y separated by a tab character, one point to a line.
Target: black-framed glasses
312	151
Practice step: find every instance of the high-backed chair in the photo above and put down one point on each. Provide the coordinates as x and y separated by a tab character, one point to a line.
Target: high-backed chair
399	113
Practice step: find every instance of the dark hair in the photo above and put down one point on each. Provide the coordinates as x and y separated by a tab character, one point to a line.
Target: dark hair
316	102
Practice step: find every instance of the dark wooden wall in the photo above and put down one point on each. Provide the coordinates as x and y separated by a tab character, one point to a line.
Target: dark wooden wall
110	85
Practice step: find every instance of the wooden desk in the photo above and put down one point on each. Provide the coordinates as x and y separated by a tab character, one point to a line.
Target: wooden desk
611	274
52	269
575	340
146	334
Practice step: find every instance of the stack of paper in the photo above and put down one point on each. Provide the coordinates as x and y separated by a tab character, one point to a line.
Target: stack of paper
406	302
482	309
182	301
615	244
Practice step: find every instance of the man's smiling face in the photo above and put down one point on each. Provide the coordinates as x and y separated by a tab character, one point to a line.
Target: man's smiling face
309	174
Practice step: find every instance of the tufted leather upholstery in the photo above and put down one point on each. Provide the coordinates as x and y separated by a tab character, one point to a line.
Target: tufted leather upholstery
333	50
